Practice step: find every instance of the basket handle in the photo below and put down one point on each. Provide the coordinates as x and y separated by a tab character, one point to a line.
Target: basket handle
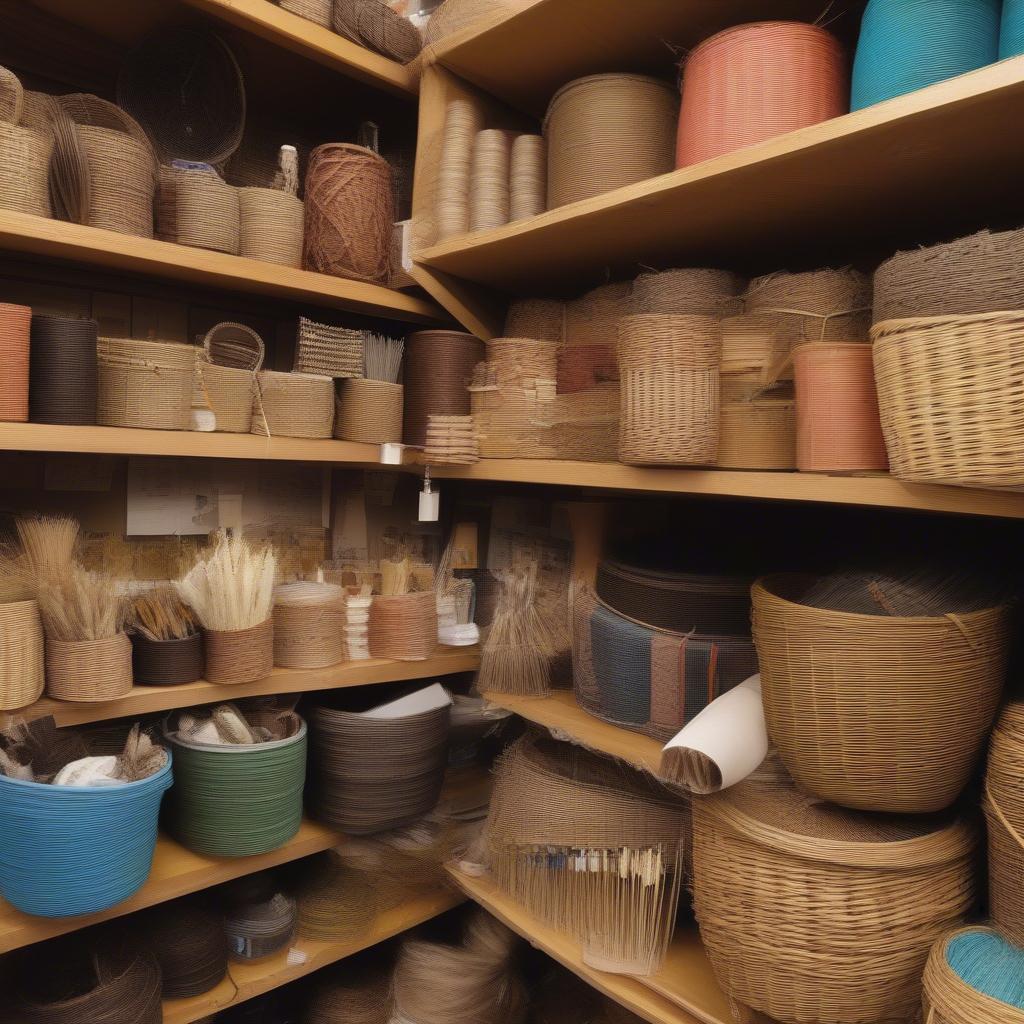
997	810
959	623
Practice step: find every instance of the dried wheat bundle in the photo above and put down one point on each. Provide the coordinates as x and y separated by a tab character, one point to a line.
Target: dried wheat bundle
159	614
47	544
382	357
80	606
396	577
232	587
13	584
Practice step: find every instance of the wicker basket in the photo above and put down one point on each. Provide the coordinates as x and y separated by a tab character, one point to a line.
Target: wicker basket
240	655
328	350
309	628
195	206
851	700
167	662
226	375
293	405
121	181
758	434
950	396
811	913
15	337
21	655
369	411
89	671
404	626
270	226
24	170
145	384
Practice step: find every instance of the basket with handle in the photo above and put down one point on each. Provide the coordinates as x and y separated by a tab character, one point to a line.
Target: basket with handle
226	369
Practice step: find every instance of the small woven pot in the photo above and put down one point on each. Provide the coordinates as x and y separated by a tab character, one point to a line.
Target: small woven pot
15	333
309	626
240	655
369	411
122	181
270	226
89	671
167	662
21	655
145	384
24	170
226	375
403	627
293	405
197	207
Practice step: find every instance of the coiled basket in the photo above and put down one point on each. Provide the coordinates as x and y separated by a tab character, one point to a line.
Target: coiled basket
68	850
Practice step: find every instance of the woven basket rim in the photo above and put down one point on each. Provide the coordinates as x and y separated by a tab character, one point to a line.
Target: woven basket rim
819	345
896	324
608	78
211	336
234	748
73	792
773	23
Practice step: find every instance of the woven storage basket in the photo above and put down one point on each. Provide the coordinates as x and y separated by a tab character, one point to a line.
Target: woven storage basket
237	800
122	185
89	671
226	375
754	82
24	170
668	369
812	913
270	226
972	977
852	700
145	384
293	405
67	850
240	655
309	625
195	206
167	662
15	335
757	434
188	943
607	131
404	626
317	11
438	370
837	424
369	411
62	370
21	655
951	398
328	350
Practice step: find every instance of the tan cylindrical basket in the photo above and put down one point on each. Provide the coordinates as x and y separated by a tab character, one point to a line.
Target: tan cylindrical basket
949	394
145	384
1004	812
404	626
226	375
270	226
198	208
21	655
240	655
89	671
309	632
24	170
121	181
877	712
369	411
293	405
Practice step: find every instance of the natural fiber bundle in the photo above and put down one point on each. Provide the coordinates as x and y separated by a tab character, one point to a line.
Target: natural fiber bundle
879	738
350	211
258	920
837	423
376	26
436	983
1004	813
369	411
329	350
690	291
591	848
24	170
759	433
319	12
755	82
354	997
21	654
188	944
540	319
270	226
451	440
909	44
463	122
949	397
403	626
309	621
15	333
489	179
809	912
63	372
438	370
527	177
226	371
1011	30
145	384
607	131
195	206
668	369
293	405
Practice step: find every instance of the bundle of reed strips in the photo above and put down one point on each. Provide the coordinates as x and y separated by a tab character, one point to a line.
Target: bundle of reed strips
80	606
159	614
382	357
47	545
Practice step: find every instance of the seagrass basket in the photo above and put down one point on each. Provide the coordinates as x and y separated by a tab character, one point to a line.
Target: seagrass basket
757	434
309	625
21	655
403	626
240	655
811	913
270	226
195	206
145	384
226	371
122	183
89	671
851	700
951	398
369	411
293	405
24	170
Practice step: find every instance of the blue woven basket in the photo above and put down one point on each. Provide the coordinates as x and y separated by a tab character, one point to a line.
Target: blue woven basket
1011	33
908	44
67	850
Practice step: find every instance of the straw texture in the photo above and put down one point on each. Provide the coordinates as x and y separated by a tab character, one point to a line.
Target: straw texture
1004	813
145	384
438	370
15	335
21	655
122	182
403	626
89	671
187	942
607	131
754	82
328	350
527	177
12	96
293	405
240	655
463	122
195	206
24	170
538	319
270	226
369	411
375	25
167	662
309	621
489	199
226	375
63	372
759	433
694	291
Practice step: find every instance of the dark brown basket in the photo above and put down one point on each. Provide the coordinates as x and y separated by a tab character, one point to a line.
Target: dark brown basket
167	662
63	375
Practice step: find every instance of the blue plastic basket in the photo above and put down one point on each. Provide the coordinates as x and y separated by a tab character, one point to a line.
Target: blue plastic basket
68	850
1011	33
909	44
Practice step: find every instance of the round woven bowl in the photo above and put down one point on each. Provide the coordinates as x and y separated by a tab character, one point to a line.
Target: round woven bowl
850	699
949	397
607	131
270	226
62	370
145	384
122	182
89	671
403	627
21	655
198	208
15	333
369	411
24	170
811	913
167	662
293	405
240	655
755	82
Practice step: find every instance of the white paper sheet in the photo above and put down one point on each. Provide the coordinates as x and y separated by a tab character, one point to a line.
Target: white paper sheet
428	699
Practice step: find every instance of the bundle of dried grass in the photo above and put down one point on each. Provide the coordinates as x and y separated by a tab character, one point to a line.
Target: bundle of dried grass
396	577
47	546
382	357
159	614
80	605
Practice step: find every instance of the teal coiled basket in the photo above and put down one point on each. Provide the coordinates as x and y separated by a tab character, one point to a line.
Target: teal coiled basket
1011	33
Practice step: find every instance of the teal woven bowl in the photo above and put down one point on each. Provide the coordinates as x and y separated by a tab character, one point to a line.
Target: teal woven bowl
1011	33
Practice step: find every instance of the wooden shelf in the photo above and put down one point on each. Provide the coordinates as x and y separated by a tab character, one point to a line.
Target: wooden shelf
145	700
176	872
246	981
39	236
684	992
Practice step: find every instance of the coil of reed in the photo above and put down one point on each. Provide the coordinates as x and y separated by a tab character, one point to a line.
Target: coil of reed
877	739
328	350
195	206
258	920
527	177
438	369
369	411
607	131
403	626
89	671
187	942
539	319
1011	29
293	405
100	854
317	11
463	122
239	655
809	912
237	800
755	82
691	291
949	395
309	620
21	655
145	384
668	369
906	45
837	423
489	198
270	226
24	169
15	336
226	371
63	372
451	441
167	662
350	212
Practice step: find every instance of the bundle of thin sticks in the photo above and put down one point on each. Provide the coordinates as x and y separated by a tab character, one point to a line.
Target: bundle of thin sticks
159	614
382	357
80	606
47	545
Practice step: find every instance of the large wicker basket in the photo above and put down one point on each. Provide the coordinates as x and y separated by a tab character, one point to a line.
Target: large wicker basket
293	405
24	170
145	384
21	655
195	206
810	913
950	396
877	712
89	671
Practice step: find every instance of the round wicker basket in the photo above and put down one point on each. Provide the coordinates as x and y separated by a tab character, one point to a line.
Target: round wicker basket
309	621
197	207
24	170
21	655
293	405
167	662
145	384
404	626
240	655
89	671
270	226
757	434
369	411
121	181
